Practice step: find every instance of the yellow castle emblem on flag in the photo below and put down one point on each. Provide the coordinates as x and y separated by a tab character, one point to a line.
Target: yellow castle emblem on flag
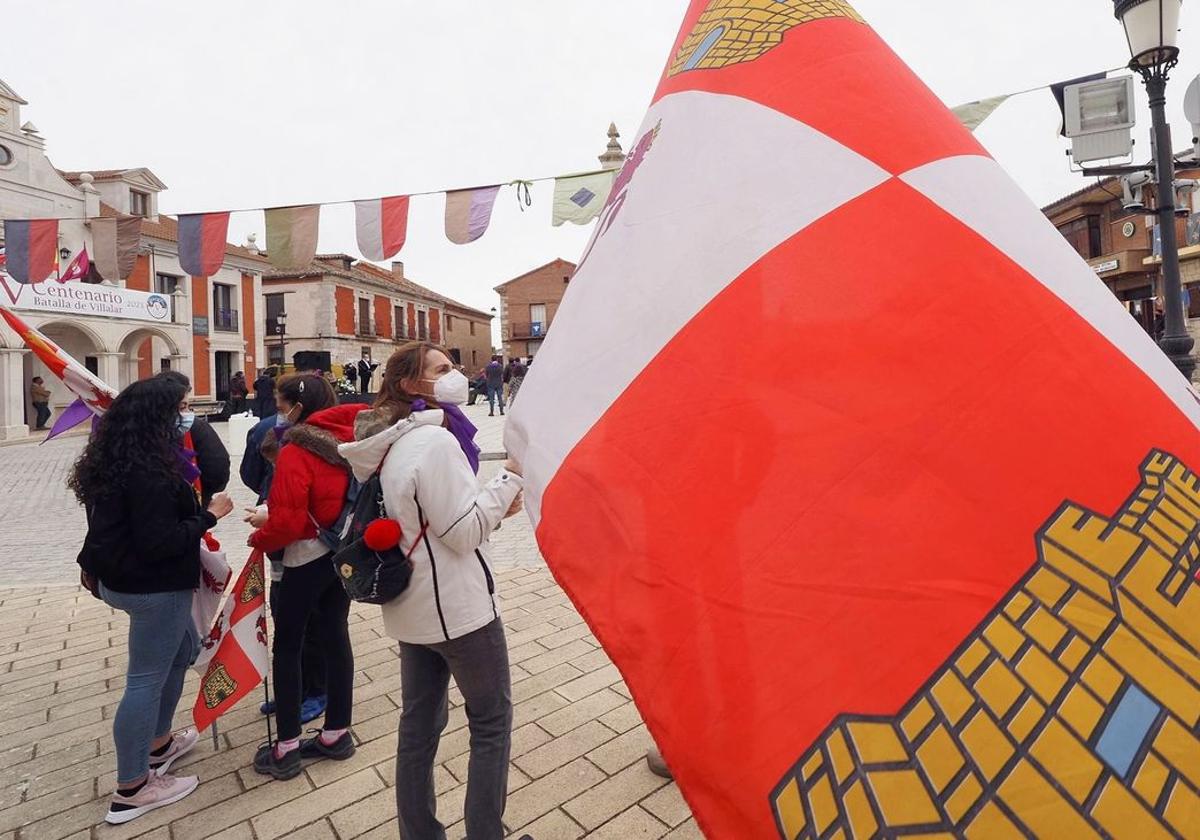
732	31
255	585
217	686
1072	711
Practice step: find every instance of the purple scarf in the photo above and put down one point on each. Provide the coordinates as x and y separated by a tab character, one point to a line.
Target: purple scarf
459	426
187	464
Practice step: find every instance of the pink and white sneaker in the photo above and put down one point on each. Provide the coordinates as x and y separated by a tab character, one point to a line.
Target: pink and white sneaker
157	792
182	743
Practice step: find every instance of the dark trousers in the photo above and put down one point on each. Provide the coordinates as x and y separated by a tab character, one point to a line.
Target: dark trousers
312	658
311	595
43	414
495	392
479	664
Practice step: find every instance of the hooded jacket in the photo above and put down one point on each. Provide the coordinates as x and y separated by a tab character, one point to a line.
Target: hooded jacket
309	482
427	483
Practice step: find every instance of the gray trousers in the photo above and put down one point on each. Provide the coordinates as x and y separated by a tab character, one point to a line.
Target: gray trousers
479	664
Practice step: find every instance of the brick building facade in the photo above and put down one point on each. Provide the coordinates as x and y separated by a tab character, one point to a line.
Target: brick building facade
347	307
1121	246
528	304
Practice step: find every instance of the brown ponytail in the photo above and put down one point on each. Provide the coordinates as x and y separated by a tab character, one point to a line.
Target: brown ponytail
405	365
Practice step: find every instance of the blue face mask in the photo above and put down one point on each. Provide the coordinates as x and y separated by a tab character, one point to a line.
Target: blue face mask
186	420
282	421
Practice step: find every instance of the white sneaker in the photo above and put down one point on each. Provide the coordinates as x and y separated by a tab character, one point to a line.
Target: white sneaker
182	743
157	792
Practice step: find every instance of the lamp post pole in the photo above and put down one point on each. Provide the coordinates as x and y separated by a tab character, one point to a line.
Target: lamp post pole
281	328
1152	30
1175	341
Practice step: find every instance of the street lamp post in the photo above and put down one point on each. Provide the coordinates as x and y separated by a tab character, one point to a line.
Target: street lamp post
281	329
1152	29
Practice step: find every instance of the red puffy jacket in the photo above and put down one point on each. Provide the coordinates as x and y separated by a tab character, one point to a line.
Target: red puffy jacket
310	481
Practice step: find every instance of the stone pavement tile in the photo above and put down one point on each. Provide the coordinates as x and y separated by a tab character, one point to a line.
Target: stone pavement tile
30	720
523	740
36	734
453	744
16	755
387	831
555	825
552	678
580	712
537	707
241	831
622	689
26	772
377	726
592	682
588	662
543	795
285	818
634	824
521	637
668	805
568	653
520	653
243	808
357	820
570	634
688	831
620	752
320	830
210	765
623	718
18	699
90	699
597	806
560	751
55	817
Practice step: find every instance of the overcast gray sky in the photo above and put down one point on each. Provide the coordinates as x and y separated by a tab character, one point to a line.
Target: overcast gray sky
237	104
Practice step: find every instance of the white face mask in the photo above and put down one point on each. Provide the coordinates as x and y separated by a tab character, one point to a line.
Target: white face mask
451	389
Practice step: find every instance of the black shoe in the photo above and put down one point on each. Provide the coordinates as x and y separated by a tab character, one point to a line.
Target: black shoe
493	414
339	750
282	769
502	412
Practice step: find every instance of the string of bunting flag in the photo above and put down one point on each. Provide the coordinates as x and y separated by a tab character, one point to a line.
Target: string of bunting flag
381	227
381	224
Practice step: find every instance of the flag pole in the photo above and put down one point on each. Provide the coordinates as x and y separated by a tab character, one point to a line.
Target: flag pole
216	744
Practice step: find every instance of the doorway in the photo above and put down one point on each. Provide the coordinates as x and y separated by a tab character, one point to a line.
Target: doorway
224	366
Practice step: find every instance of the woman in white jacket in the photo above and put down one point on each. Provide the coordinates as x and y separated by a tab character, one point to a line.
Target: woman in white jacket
447	621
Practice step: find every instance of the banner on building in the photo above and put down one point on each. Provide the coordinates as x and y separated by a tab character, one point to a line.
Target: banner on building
88	299
957	599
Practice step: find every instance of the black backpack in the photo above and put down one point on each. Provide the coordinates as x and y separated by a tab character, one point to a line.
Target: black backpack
368	576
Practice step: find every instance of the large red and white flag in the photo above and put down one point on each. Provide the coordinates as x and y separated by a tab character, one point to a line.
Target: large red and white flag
233	657
881	503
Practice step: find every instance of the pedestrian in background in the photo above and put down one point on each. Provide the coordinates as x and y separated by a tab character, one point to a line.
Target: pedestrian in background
141	556
39	395
518	376
264	394
238	391
201	439
494	374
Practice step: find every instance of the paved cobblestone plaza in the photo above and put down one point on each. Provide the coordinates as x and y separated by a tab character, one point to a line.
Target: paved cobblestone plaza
578	742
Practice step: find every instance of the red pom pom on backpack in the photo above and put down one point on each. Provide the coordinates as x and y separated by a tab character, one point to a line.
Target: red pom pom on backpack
382	534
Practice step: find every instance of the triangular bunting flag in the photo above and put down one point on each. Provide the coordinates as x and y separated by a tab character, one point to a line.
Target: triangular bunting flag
958	598
202	242
31	249
972	114
580	199
381	225
233	657
292	235
468	213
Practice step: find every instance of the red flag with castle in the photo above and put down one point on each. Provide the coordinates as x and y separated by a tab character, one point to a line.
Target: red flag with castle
233	657
887	539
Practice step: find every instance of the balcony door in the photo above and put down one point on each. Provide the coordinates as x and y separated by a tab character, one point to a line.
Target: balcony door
365	327
537	319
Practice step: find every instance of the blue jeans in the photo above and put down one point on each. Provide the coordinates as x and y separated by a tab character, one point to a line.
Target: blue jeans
495	391
162	644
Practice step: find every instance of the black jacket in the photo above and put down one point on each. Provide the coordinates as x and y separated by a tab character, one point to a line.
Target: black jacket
146	539
256	470
212	459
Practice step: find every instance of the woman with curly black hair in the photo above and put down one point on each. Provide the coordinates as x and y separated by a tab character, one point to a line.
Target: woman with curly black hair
142	556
